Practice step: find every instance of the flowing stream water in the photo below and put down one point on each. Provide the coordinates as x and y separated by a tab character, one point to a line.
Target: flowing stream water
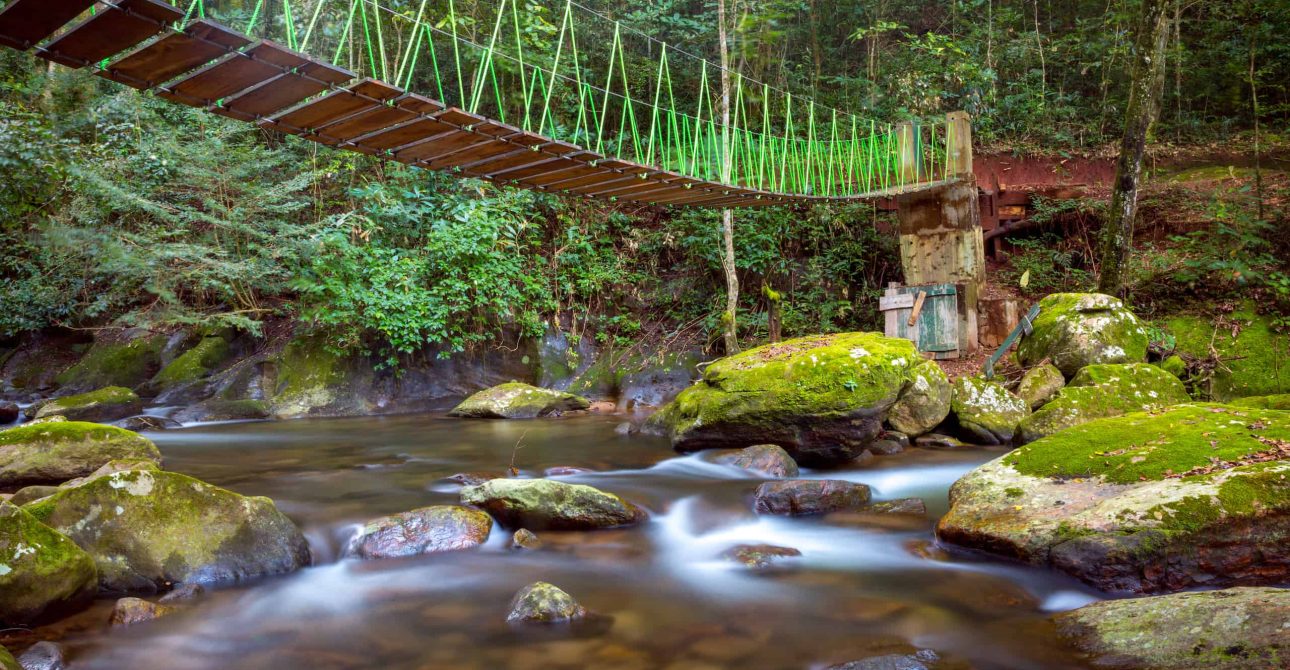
663	595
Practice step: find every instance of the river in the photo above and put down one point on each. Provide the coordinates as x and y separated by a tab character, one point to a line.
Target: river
663	596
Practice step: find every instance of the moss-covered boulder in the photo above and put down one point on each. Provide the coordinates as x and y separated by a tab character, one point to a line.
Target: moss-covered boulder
1281	402
1230	629
925	403
1193	495
54	452
131	611
986	411
1104	390
541	602
223	410
105	404
42	573
120	358
823	398
194	365
1078	329
1040	384
516	400
149	530
429	530
310	380
542	504
1254	356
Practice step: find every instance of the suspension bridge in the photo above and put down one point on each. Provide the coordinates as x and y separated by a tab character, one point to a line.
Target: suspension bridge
550	97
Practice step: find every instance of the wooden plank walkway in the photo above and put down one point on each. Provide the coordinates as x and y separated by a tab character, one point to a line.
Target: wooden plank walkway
212	67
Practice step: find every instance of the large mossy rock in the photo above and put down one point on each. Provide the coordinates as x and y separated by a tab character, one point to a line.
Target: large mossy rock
311	380
823	398
1281	402
192	366
149	530
543	504
54	452
42	573
1254	359
925	403
127	358
1194	495
429	530
1078	329
986	411
1040	384
105	404
1104	390
516	400
1231	629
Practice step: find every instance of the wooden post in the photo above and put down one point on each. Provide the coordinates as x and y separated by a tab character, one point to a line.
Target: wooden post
907	144
958	144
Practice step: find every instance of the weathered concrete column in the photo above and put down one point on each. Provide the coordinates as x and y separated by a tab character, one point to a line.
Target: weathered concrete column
940	231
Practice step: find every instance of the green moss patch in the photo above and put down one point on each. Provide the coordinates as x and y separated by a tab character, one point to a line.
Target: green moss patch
1280	401
1254	363
45	453
1078	329
123	363
1105	390
1151	445
194	364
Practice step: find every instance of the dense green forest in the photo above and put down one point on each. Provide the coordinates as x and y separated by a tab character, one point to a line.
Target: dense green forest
122	209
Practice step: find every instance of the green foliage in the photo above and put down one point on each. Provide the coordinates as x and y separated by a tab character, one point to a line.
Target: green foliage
1048	266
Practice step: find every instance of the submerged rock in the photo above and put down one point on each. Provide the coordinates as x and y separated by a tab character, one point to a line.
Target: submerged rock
130	611
9	411
541	602
918	660
525	539
1078	329
144	422
148	530
475	478
105	404
42	573
938	441
809	496
822	398
43	656
1193	495
1040	384
764	459
223	410
516	400
987	411
428	530
1104	390
1231	629
542	504
50	453
183	592
760	556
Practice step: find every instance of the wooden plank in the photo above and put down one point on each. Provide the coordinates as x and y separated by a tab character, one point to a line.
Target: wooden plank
174	54
486	149
282	91
918	308
398	111
111	31
438	146
232	74
898	301
501	166
357	98
23	23
404	134
537	175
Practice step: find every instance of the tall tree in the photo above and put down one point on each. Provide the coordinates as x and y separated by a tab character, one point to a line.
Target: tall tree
729	331
1144	100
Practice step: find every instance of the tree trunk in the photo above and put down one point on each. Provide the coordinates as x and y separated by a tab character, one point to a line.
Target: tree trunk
1144	99
729	325
1254	110
774	320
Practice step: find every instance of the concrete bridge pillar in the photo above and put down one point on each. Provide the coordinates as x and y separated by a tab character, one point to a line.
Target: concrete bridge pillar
940	230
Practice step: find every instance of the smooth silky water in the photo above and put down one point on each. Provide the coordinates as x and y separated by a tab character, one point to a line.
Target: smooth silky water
663	595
